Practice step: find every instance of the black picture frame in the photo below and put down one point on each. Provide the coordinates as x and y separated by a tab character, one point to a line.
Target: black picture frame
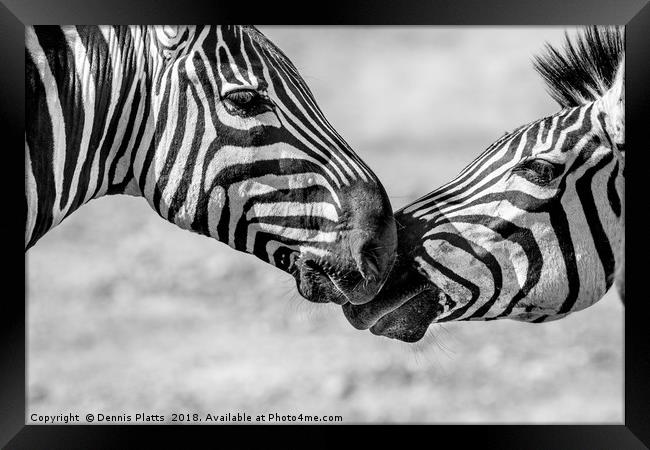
15	14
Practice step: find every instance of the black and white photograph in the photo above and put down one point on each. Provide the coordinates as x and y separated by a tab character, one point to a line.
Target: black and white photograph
325	224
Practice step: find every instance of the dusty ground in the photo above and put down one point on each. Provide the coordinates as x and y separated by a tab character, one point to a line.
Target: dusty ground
129	314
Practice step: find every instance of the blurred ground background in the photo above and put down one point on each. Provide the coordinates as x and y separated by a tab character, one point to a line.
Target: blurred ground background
129	314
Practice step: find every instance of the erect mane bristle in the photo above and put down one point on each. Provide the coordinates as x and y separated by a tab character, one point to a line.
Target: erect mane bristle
586	68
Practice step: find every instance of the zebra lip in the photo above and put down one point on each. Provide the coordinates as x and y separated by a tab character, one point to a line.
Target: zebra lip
322	287
367	315
409	322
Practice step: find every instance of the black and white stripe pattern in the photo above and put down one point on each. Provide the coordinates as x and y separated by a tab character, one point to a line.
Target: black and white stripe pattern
212	125
531	230
518	239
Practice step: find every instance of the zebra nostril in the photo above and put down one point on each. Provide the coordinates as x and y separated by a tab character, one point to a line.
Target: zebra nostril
373	259
372	269
369	259
369	234
368	264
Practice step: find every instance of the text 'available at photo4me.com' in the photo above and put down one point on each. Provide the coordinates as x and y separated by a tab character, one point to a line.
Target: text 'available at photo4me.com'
181	418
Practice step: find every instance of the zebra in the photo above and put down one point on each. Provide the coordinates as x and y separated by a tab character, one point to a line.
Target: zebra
216	129
533	228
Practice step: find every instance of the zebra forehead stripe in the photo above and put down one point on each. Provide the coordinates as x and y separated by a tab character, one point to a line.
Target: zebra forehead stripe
227	69
282	90
301	93
474	184
304	136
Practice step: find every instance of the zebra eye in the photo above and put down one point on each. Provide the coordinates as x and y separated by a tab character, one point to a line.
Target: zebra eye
539	171
242	98
245	102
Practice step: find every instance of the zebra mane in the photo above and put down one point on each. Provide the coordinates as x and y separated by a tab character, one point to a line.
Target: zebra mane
586	68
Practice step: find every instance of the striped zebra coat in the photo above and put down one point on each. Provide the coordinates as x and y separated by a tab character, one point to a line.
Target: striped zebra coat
533	229
215	128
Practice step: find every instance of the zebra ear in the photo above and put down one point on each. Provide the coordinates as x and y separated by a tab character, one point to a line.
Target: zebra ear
614	102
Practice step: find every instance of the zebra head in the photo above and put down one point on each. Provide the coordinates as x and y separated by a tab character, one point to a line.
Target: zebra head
533	229
242	153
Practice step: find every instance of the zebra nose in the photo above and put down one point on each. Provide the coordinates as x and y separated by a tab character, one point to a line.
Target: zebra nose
370	238
367	256
373	255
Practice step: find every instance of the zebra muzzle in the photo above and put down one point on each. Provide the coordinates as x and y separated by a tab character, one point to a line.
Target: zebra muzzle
409	322
320	281
404	308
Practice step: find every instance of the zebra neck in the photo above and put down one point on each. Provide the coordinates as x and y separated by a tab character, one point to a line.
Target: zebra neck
87	101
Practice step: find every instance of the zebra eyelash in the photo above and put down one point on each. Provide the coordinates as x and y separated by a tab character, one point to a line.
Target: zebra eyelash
538	170
246	102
